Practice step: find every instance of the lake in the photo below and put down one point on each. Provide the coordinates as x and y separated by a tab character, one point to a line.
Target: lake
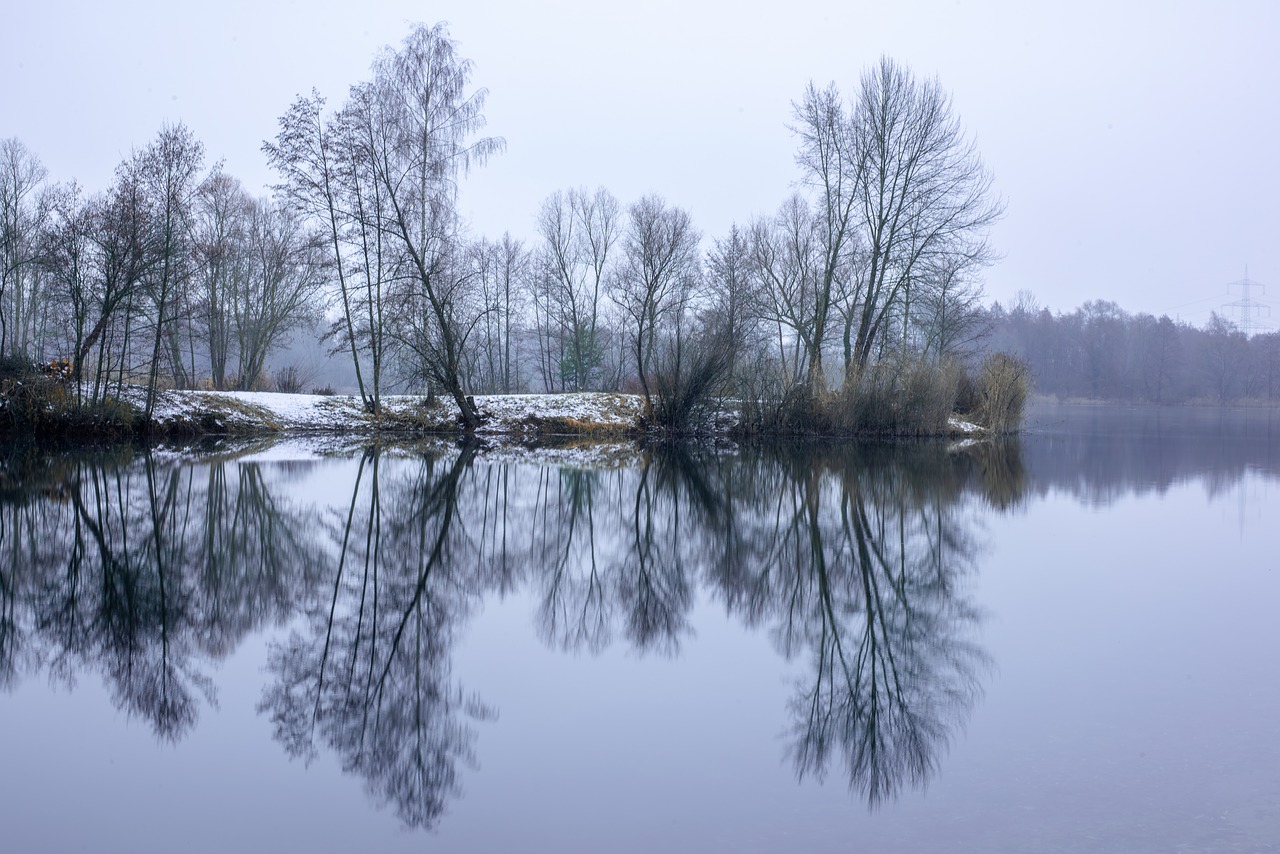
1063	643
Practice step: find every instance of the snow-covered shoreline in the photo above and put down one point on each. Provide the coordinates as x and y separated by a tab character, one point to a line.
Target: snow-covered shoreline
518	418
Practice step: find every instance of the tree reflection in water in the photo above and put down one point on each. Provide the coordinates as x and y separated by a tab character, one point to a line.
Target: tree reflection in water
606	553
857	558
865	574
853	558
372	676
144	571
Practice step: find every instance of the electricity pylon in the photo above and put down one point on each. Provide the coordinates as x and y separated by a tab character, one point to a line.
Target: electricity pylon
1249	309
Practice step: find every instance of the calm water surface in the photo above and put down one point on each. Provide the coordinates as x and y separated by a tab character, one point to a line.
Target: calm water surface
1066	644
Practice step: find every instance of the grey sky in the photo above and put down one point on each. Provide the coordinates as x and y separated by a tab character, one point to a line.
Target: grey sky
1133	142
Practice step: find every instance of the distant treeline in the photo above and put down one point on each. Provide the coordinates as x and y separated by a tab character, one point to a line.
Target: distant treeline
848	309
1099	351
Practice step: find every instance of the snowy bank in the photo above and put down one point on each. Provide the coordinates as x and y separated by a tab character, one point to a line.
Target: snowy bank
510	419
524	416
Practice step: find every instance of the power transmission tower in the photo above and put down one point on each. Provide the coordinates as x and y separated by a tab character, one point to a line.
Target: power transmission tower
1249	309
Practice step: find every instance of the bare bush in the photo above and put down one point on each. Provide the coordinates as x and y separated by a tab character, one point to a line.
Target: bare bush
290	380
766	400
1003	388
899	397
687	373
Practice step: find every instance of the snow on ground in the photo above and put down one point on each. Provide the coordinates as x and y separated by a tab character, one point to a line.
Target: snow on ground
583	428
564	414
958	426
525	416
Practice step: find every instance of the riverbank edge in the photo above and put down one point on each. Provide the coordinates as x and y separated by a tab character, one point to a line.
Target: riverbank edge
518	418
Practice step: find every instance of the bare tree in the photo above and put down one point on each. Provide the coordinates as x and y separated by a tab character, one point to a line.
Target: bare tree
420	120
660	267
1159	358
785	260
285	272
120	232
733	294
924	200
947	315
22	212
827	157
578	230
168	169
222	207
382	177
504	268
68	259
1223	356
323	178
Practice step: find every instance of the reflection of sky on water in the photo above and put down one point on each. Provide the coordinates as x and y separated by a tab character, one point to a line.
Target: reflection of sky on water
1135	691
1130	701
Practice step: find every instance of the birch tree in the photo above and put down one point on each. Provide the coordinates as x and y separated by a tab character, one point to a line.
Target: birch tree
315	155
22	213
422	118
382	175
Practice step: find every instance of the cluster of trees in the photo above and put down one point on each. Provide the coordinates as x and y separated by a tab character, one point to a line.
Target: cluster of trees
173	274
171	277
1100	351
876	256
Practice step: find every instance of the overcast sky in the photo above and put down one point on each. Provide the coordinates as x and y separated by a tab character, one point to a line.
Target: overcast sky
1134	142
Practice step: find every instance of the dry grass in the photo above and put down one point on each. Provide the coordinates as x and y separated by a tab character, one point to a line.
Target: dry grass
901	397
1004	384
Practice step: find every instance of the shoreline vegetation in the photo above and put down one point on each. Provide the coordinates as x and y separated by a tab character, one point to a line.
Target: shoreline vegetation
159	306
916	401
853	309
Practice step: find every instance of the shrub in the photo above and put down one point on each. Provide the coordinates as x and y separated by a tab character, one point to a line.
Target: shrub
36	404
30	397
1004	384
896	397
289	380
687	375
900	396
767	404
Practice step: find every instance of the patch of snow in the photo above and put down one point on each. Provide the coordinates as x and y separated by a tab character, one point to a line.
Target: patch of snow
958	425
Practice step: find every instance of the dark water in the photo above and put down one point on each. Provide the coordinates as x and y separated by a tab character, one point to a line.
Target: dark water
1064	644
